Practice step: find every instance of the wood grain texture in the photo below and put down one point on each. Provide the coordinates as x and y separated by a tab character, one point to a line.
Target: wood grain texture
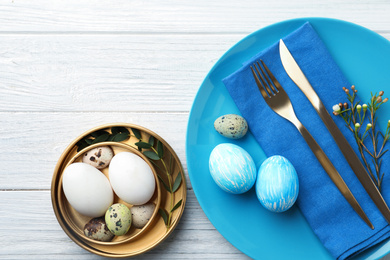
69	66
176	16
33	142
86	73
37	234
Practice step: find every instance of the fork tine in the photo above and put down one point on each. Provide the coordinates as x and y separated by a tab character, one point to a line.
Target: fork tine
272	77
266	76
264	79
259	84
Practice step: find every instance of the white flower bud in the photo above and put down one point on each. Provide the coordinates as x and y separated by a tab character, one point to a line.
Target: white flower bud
357	126
336	108
364	108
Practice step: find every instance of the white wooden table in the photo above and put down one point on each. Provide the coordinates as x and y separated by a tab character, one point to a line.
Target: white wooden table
68	66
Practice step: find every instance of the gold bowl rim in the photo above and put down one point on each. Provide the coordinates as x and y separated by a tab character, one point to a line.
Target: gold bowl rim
90	246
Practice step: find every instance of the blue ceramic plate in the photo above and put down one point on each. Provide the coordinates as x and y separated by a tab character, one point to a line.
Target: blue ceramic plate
363	56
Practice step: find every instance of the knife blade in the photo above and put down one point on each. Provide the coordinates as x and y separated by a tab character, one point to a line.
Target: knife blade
295	73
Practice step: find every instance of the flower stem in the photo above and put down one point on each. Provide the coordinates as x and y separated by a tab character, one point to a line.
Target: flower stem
354	119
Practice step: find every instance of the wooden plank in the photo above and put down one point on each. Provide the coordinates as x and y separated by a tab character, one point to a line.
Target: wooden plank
33	142
105	73
180	16
30	229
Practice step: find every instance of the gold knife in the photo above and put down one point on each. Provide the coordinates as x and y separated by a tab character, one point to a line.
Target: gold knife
296	74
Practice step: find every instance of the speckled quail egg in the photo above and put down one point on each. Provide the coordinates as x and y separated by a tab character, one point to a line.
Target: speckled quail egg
97	229
141	214
99	157
231	126
118	219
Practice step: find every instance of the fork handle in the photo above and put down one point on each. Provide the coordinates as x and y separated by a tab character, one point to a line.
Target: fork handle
332	172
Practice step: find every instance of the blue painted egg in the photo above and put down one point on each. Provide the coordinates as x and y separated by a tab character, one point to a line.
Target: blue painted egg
277	184
232	168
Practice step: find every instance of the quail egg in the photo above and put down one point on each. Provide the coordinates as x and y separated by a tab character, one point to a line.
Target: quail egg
231	126
118	219
97	229
141	214
99	157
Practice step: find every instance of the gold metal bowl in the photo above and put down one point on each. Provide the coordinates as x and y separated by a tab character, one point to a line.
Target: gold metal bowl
156	230
76	221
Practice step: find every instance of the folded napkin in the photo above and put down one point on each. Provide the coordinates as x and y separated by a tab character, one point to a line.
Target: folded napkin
330	216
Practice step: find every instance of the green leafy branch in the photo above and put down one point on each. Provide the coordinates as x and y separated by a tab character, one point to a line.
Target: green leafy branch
117	134
153	150
354	115
157	154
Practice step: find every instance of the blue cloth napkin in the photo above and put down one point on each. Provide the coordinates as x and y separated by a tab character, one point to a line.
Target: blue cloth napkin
330	216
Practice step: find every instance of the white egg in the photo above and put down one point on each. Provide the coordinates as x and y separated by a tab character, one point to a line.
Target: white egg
87	189
131	178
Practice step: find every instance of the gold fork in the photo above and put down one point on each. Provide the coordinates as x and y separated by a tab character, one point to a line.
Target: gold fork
278	100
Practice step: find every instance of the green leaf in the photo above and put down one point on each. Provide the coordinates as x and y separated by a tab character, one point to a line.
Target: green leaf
137	133
88	141
170	163
176	185
111	138
124	130
177	205
156	165
164	184
160	149
143	145
164	215
151	140
114	130
151	155
80	142
98	133
101	138
81	145
120	137
119	129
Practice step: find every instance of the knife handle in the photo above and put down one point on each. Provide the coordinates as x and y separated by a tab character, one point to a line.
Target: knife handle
332	172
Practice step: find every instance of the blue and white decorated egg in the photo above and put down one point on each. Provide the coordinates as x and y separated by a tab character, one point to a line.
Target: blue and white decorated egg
277	184
232	168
